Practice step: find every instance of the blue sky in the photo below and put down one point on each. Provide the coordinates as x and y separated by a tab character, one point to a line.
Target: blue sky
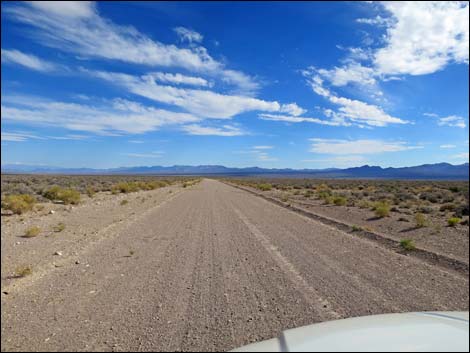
300	85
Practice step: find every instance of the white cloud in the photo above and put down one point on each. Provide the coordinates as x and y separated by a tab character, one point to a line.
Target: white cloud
353	147
156	154
297	119
292	109
423	37
431	115
462	156
262	147
225	130
340	161
84	32
106	117
349	109
447	146
204	103
136	141
188	35
179	79
27	60
353	72
452	120
17	136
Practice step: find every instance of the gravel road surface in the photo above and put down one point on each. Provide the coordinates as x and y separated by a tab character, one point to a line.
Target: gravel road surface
214	268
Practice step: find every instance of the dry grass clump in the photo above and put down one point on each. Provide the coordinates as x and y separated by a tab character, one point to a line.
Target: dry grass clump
59	227
32	232
382	209
23	271
18	204
66	195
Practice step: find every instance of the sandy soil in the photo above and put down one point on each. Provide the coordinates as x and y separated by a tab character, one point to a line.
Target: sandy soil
209	267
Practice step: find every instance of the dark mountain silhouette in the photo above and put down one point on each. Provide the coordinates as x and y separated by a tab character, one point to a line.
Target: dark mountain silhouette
425	171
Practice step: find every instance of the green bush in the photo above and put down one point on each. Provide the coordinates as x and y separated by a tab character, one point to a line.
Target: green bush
452	222
32	232
264	187
420	220
19	203
340	201
67	196
407	244
382	209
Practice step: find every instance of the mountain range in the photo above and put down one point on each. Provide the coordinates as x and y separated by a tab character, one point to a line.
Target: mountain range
425	171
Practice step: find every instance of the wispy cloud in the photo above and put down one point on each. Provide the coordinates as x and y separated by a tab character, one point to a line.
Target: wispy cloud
155	154
350	110
18	136
453	120
179	79
79	28
203	103
358	147
300	119
447	146
104	117
225	130
27	60
462	156
262	147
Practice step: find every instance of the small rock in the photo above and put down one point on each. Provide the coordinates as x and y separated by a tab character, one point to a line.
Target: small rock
18	243
51	212
77	262
58	253
5	292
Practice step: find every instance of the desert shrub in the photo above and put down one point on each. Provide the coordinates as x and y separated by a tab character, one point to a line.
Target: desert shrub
18	203
340	200
67	196
382	209
90	191
461	210
407	244
125	187
364	204
32	232
264	187
447	207
124	202
59	227
420	220
23	271
452	222
356	228
308	193
52	193
425	209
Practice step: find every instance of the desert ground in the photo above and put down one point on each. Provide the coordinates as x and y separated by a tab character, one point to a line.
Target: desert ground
204	264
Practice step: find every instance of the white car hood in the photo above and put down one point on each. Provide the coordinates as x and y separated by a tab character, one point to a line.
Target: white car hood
409	332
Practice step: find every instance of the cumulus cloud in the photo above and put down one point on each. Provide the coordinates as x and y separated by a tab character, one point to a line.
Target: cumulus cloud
424	37
421	37
358	147
225	130
27	60
186	34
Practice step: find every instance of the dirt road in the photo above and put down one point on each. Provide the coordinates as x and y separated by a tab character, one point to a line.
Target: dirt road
214	268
